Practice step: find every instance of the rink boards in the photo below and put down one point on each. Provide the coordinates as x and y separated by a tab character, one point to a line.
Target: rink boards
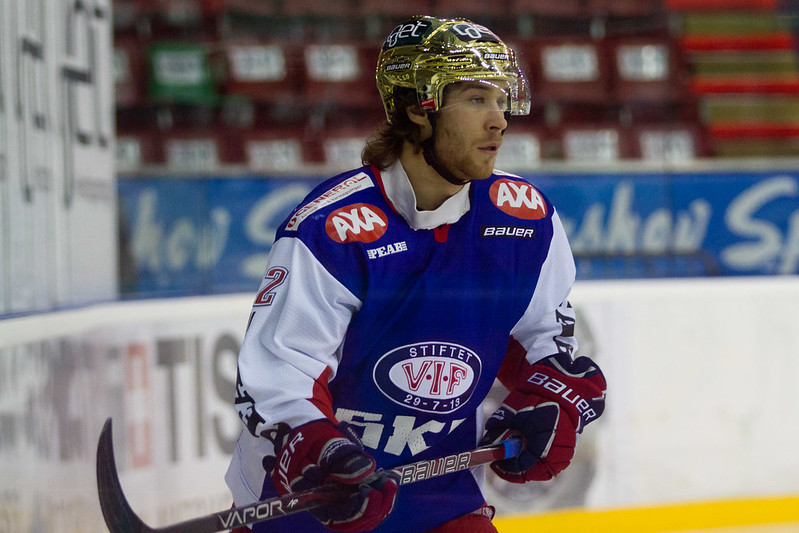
701	385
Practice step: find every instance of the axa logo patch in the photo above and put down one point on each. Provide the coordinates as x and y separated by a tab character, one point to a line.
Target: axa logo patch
435	377
356	222
518	199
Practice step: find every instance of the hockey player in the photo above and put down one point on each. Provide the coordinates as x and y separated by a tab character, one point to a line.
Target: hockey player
396	293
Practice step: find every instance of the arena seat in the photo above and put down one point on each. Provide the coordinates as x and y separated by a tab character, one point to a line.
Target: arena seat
253	7
263	71
342	152
596	144
647	69
126	13
581	113
562	8
567	69
392	8
522	148
136	149
130	74
340	143
625	8
721	5
477	10
200	149
340	73
181	72
743	63
273	150
337	8
668	143
170	19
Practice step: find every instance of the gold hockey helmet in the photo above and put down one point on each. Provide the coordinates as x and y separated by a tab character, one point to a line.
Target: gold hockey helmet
426	54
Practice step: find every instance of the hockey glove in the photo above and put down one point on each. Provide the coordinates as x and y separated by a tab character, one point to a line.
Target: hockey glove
320	452
552	402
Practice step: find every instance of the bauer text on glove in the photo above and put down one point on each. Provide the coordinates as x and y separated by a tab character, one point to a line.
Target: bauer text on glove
551	403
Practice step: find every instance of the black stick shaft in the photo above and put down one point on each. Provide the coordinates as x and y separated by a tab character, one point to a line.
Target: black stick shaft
120	517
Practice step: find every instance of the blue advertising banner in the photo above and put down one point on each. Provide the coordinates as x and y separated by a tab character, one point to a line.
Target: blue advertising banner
181	236
161	225
212	235
684	224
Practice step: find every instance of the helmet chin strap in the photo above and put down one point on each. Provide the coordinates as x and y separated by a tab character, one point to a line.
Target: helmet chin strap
429	153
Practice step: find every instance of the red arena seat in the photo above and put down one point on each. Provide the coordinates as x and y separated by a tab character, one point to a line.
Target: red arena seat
600	143
471	9
130	72
263	71
337	8
392	8
561	8
341	74
668	143
273	150
522	148
568	69
136	149
194	149
626	8
647	69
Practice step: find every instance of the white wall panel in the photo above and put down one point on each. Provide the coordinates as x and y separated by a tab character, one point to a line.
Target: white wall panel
57	184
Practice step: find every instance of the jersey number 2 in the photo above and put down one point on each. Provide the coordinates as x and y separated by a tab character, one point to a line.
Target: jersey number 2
276	275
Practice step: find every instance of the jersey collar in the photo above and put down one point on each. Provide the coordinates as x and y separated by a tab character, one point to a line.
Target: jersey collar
400	194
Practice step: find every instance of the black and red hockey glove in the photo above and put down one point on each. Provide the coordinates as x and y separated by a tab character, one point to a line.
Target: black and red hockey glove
551	403
320	452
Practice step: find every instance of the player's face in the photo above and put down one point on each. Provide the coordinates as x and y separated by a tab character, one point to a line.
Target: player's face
469	129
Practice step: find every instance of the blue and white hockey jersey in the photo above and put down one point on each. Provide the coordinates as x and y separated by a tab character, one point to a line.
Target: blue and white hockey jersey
398	321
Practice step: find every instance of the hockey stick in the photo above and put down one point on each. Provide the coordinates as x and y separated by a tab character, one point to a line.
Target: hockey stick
120	517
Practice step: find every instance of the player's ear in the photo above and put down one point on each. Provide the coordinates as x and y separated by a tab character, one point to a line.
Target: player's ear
416	115
420	118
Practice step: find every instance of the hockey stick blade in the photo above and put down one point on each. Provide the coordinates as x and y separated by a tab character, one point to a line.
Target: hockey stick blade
117	512
120	517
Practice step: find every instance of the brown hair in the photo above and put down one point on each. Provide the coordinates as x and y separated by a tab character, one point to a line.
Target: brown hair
384	145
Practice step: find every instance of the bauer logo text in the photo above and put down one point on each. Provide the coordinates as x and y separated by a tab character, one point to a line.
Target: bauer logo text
507	231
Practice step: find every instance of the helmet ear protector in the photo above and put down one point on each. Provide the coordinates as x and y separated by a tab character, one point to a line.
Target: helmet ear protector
426	54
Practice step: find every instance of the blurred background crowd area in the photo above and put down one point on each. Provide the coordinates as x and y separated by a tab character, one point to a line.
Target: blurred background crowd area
281	85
